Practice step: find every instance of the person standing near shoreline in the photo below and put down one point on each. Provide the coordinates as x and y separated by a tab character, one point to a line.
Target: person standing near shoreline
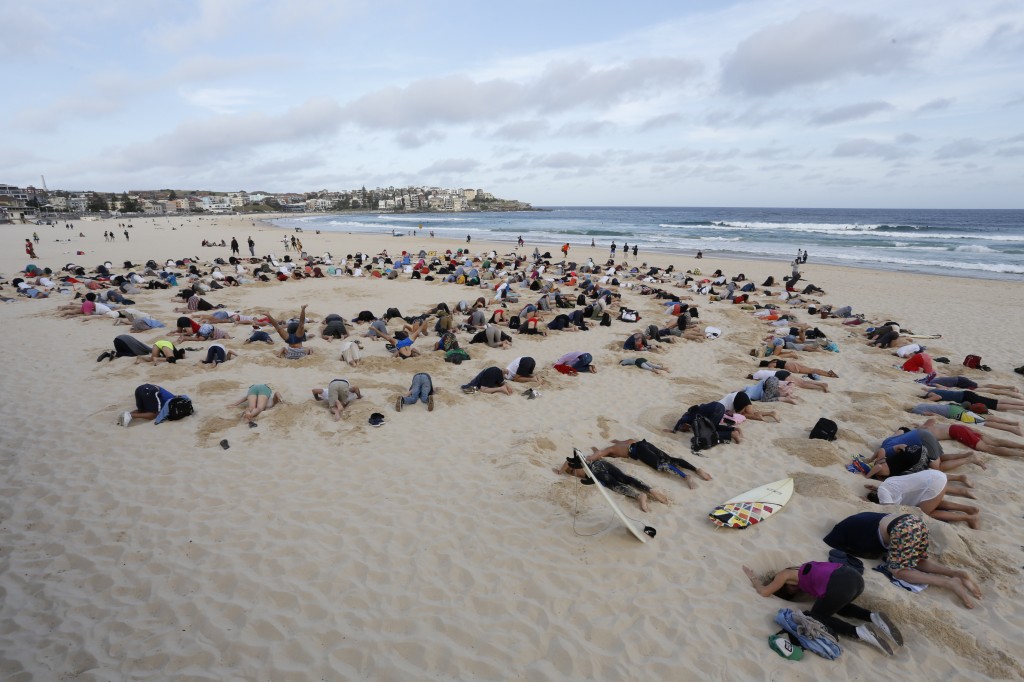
252	247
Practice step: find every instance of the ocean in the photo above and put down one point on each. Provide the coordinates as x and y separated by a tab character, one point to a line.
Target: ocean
964	243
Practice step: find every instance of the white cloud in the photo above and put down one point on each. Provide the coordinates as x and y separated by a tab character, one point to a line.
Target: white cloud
959	149
850	112
870	148
937	104
220	100
449	166
530	129
458	99
815	47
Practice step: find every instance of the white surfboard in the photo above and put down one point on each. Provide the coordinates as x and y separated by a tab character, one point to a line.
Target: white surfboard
753	506
648	530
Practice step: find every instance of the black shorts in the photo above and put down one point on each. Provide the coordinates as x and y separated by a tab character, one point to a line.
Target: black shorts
742	401
146	399
972	397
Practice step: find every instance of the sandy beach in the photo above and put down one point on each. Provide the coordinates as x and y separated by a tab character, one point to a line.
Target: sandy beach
441	545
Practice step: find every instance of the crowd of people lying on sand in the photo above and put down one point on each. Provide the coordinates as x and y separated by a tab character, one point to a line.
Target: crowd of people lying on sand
520	296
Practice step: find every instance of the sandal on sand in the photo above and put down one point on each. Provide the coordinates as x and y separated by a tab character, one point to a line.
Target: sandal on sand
832	374
468	389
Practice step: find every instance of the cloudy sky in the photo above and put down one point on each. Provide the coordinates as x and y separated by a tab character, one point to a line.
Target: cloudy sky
918	103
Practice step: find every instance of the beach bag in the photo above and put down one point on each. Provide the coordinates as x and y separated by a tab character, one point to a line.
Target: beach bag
513	322
705	435
179	407
456	356
449	342
606	320
628	315
825	429
972	361
581	300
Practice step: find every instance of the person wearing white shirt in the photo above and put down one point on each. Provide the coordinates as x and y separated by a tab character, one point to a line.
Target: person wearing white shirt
926	490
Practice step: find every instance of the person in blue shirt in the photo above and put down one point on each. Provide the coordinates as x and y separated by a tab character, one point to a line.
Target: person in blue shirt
150	400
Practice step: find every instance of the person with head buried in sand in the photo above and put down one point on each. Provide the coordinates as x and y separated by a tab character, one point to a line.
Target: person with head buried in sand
293	349
339	394
614	479
927	490
259	397
652	456
904	541
834	587
975	440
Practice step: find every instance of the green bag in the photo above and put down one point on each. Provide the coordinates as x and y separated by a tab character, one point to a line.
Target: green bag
782	644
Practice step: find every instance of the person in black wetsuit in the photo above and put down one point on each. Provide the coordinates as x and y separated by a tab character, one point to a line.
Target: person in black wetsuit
613	478
652	456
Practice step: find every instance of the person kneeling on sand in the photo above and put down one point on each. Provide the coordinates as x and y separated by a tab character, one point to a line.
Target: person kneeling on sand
614	479
490	380
652	456
259	397
903	540
422	389
149	401
834	587
339	395
927	490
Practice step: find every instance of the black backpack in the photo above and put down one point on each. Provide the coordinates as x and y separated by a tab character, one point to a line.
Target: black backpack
705	435
513	322
825	429
179	407
606	320
581	300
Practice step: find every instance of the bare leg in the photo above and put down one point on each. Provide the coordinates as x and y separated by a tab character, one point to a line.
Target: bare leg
953	517
1001	450
948	580
1009	426
302	322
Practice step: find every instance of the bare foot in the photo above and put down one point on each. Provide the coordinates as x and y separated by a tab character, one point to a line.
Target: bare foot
977	460
703	474
660	496
643	502
967	482
974	521
965	579
690	483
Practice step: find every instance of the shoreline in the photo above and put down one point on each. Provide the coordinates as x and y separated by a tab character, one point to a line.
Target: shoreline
940	270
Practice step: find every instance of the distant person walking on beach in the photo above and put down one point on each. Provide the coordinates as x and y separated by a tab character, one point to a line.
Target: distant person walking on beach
29	249
126	237
467	238
635	249
234	246
35	237
521	242
565	250
613	250
252	247
803	259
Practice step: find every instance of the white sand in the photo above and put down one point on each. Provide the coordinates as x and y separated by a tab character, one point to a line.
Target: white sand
441	545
